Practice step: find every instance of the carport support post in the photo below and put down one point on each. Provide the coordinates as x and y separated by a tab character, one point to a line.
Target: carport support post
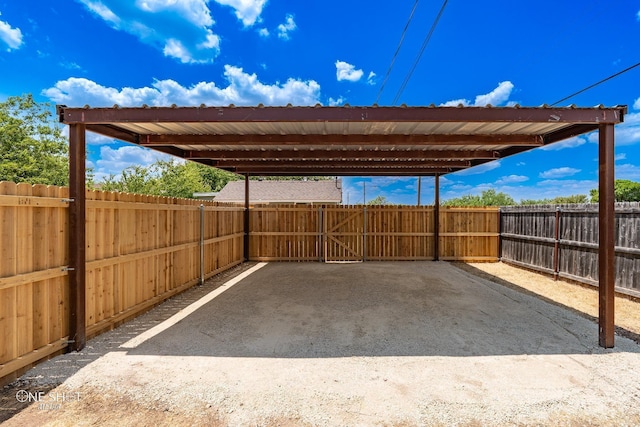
436	220
246	217
77	237
606	230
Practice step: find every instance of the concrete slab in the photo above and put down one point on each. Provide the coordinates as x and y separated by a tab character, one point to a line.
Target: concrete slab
411	343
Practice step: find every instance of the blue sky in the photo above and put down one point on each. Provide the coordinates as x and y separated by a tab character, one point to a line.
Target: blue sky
245	52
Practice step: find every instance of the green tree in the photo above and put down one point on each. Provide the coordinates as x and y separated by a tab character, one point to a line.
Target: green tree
163	178
486	198
379	200
216	178
561	200
625	191
32	146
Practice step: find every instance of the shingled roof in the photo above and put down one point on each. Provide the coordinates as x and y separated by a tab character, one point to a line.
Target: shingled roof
323	191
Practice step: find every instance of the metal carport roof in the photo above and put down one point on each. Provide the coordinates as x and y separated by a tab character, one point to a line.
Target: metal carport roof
341	141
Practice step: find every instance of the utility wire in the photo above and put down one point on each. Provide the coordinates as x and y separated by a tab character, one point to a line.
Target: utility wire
395	55
424	45
596	84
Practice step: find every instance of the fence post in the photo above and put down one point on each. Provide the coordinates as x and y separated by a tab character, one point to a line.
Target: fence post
364	235
246	217
499	234
556	246
202	244
319	242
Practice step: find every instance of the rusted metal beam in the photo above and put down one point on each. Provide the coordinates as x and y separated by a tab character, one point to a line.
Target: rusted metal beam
77	237
342	140
342	172
569	132
337	171
606	244
114	132
340	114
348	163
174	151
341	154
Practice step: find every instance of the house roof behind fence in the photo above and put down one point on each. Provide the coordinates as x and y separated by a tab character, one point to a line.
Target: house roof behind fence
322	191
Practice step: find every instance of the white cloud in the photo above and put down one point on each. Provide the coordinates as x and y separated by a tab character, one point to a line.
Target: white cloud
263	32
371	79
455	103
102	11
248	11
626	133
113	161
69	65
572	142
621	156
285	28
638	15
11	36
242	89
179	28
559	172
636	105
476	170
628	171
336	102
346	71
498	96
512	179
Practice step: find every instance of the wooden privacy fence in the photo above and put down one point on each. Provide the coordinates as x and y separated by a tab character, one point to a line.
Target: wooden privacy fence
563	241
361	233
140	251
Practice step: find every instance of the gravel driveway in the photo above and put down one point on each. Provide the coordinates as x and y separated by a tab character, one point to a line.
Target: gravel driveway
411	343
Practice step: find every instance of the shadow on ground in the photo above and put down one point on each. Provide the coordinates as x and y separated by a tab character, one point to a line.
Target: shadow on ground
483	274
314	310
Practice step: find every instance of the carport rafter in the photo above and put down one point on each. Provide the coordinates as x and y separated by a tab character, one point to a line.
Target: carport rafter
150	140
328	154
471	134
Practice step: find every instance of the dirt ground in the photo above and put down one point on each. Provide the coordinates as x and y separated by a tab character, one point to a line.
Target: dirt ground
389	344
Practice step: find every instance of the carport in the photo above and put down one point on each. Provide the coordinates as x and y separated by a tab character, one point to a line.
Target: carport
341	141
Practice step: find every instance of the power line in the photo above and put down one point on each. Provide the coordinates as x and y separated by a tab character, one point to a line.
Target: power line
596	84
395	55
424	45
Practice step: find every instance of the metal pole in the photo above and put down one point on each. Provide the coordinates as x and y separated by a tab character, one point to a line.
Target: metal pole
606	229
436	220
364	192
202	244
77	237
419	188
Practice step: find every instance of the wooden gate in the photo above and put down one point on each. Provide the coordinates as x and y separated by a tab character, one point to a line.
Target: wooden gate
371	233
344	233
